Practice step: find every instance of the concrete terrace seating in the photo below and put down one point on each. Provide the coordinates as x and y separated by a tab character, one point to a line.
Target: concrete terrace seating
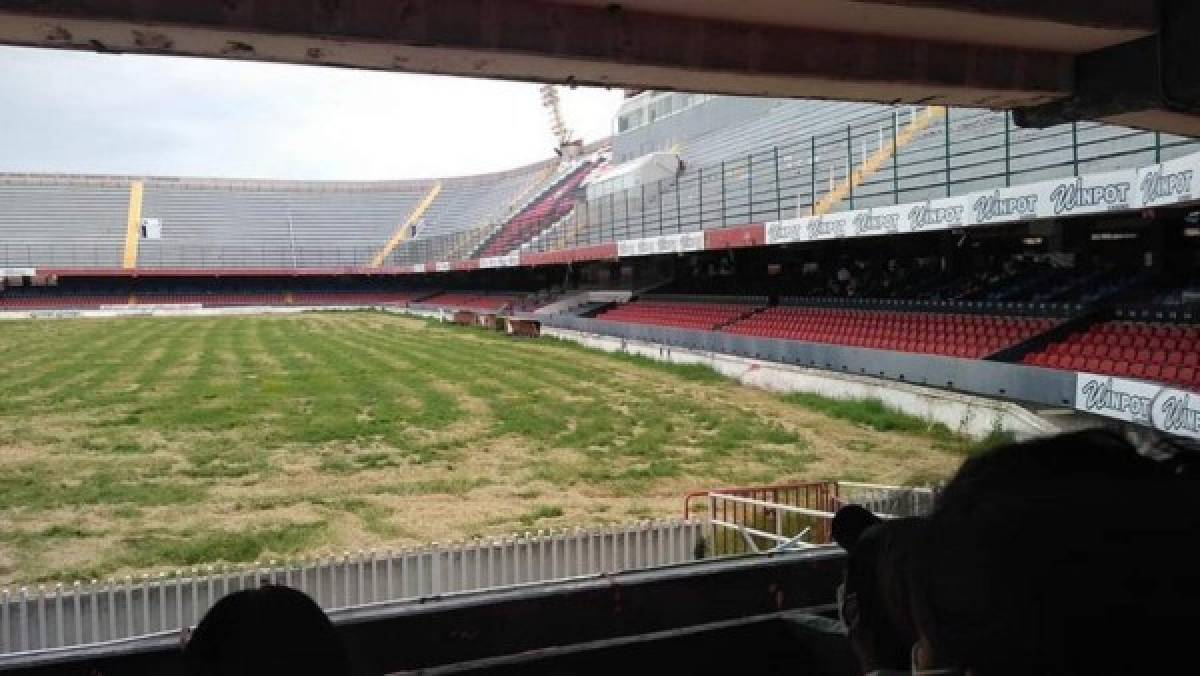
1168	353
51	221
684	315
952	335
274	224
474	201
81	221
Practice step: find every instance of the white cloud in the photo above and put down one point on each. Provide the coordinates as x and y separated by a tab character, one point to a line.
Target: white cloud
75	112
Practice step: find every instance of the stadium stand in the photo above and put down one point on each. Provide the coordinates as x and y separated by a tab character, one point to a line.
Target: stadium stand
1162	352
46	220
553	202
475	201
952	335
273	226
472	301
81	221
679	314
772	160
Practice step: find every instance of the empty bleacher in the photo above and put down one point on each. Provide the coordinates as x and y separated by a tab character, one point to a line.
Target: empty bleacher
678	314
273	224
953	335
473	201
62	221
555	201
1162	352
81	221
459	300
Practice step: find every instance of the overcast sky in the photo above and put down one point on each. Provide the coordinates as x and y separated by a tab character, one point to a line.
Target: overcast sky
76	112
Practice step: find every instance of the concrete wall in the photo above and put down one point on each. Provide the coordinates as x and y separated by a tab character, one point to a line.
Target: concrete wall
970	415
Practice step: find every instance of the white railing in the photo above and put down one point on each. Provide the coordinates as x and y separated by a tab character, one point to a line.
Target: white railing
797	516
53	616
774	513
887	501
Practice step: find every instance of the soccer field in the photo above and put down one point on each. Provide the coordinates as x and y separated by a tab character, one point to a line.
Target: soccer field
143	444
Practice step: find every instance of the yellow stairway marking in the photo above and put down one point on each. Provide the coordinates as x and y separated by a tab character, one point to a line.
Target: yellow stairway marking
875	162
133	226
405	230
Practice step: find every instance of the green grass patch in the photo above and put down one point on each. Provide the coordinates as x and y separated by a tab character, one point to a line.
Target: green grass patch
872	413
539	513
188	548
34	489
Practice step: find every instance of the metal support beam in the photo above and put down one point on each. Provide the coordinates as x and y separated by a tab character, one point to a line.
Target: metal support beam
1150	82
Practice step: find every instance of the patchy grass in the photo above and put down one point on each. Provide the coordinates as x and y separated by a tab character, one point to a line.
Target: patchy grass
872	413
134	445
539	513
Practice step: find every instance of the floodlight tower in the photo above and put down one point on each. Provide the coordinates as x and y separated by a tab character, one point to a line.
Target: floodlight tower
568	145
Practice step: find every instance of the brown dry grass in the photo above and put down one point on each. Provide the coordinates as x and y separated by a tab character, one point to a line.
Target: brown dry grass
139	445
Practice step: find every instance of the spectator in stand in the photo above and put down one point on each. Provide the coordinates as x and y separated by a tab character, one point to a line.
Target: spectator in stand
873	600
1057	556
266	631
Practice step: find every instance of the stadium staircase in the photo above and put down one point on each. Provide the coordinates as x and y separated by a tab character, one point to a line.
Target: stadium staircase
404	231
872	164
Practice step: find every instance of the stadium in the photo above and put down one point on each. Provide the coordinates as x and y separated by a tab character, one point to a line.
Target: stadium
638	377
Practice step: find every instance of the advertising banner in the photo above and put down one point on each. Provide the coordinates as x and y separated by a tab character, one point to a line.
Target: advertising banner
939	214
1162	407
878	221
512	260
1169	182
649	246
782	232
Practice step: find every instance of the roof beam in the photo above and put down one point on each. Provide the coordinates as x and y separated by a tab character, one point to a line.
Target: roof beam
530	40
1116	14
1151	83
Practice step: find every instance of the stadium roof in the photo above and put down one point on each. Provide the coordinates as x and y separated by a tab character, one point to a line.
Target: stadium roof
1121	61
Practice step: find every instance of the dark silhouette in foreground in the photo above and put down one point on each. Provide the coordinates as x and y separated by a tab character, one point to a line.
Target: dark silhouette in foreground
1065	555
265	631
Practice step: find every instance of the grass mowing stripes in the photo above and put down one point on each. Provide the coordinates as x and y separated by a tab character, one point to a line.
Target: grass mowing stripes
132	445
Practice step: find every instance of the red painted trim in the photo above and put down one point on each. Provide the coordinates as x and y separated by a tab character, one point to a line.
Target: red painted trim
223	272
595	252
753	234
741	236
